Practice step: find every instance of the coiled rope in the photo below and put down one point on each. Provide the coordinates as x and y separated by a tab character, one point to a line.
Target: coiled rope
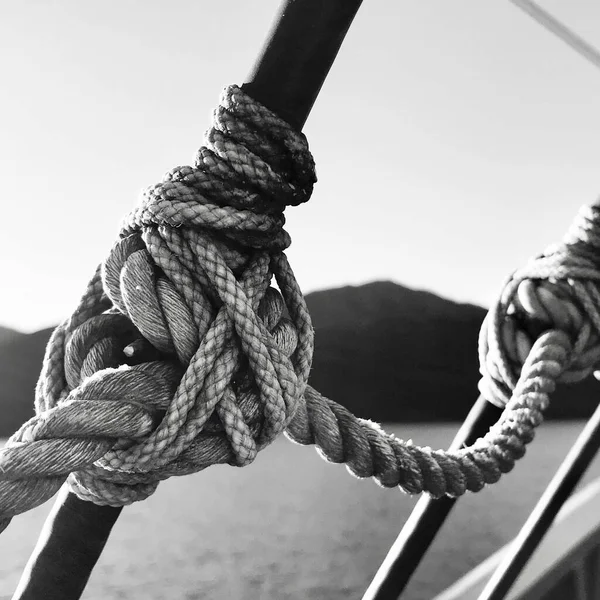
180	354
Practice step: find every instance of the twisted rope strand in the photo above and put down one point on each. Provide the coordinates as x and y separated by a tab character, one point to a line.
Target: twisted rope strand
181	354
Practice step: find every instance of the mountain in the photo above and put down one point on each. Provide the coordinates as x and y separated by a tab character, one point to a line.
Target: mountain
20	363
7	334
387	352
390	353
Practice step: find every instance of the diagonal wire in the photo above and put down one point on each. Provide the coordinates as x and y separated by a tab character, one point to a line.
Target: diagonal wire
552	24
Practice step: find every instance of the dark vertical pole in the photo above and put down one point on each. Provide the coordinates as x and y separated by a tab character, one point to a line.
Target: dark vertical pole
67	550
427	518
541	518
297	55
300	49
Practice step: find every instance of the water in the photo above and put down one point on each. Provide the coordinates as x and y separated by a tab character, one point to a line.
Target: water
292	526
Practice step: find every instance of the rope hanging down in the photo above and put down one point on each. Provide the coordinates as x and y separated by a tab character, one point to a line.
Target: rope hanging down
188	282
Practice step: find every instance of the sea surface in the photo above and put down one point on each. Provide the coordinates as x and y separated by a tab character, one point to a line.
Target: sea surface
291	526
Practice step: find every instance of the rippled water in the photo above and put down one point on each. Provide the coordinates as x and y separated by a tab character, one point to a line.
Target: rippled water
292	526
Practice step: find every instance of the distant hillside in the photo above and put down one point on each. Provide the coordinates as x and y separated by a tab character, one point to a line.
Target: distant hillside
7	334
395	354
20	363
385	351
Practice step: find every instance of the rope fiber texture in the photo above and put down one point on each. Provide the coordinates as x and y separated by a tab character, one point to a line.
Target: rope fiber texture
181	355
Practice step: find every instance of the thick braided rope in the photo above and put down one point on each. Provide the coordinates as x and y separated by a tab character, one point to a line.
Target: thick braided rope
180	355
189	282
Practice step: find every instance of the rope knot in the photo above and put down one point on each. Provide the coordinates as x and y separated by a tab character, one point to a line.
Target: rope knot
557	293
181	354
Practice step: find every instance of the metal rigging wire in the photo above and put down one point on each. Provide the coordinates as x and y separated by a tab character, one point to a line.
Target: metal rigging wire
552	24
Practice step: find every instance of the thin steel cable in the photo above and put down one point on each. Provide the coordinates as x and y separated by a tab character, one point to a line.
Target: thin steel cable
560	30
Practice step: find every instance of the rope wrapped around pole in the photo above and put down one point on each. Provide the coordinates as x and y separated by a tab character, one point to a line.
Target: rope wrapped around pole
189	280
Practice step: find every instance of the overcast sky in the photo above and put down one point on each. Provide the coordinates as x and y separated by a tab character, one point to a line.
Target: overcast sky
453	139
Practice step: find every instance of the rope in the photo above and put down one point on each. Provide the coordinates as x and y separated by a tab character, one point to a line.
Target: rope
181	355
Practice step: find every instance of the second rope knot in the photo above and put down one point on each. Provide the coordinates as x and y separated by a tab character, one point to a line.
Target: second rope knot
557	291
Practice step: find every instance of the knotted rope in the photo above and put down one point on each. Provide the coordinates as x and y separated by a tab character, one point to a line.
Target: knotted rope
180	355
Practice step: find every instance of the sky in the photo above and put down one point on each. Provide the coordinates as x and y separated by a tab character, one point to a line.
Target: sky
453	140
